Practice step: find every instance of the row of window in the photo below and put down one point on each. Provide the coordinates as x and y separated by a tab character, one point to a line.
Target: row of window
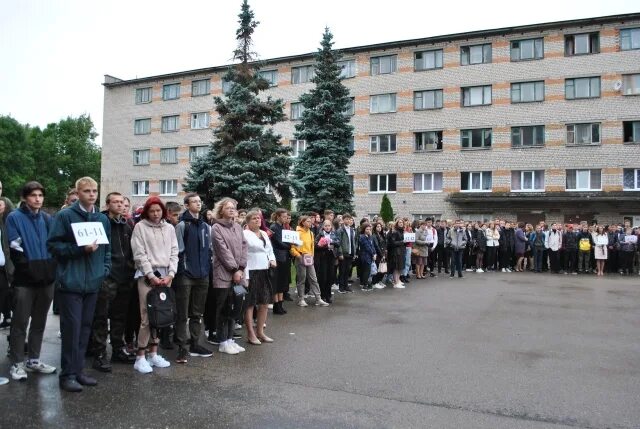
140	188
199	121
168	155
521	50
521	181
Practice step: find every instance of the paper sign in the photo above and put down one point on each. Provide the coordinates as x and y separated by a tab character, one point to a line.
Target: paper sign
630	238
409	237
87	233
289	236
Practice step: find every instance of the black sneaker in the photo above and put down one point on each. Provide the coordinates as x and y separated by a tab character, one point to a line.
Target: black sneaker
120	355
101	363
211	338
6	323
287	297
182	355
342	291
200	351
236	336
432	275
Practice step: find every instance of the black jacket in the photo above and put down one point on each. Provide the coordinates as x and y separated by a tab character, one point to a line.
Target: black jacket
280	248
122	266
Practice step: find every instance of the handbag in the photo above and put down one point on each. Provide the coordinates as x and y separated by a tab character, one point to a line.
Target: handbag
374	269
382	268
307	259
161	307
235	300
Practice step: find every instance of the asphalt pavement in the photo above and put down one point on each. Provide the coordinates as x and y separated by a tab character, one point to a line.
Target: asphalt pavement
491	350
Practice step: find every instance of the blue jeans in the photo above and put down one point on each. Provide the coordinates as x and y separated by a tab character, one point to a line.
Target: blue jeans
407	261
456	261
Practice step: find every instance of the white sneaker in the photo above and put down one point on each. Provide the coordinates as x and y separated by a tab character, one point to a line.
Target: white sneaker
479	270
270	306
302	302
504	270
237	326
3	381
17	371
379	286
509	270
321	302
41	367
227	347
142	366
159	361
237	346
469	270
335	287
398	286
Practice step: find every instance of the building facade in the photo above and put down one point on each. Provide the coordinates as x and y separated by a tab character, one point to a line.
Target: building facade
538	122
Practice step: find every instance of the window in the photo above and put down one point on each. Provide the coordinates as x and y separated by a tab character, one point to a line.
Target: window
527	136
382	183
169	155
629	39
199	120
352	144
143	95
141	157
423	100
170	123
581	44
302	74
171	91
297	147
427	60
476	138
583	180
384	65
200	87
383	103
475	181
631	84
196	152
631	179
476	54
351	107
383	143
227	85
169	187
427	182
142	126
476	95
350	180
296	111
428	141
585	87
421	216
347	68
140	188
270	76
631	131
529	49
526	92
530	180
583	134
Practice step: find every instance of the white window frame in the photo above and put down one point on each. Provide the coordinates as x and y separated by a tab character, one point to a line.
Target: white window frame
200	120
171	91
142	126
631	84
572	130
144	95
227	86
200	87
136	186
384	64
168	188
582	172
420	140
270	76
297	147
636	179
379	189
629	39
532	174
430	99
520	131
166	157
467	134
422	178
376	142
481	175
376	100
141	156
297	109
533	45
351	107
471	92
519	89
420	59
347	68
573	85
170	124
476	54
193	152
302	74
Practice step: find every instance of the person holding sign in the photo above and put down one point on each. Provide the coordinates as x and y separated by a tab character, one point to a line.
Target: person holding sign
81	270
281	250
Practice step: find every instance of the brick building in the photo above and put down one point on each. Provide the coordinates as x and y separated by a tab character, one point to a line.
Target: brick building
536	122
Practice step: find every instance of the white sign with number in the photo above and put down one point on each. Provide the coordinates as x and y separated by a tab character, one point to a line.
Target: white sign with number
631	239
289	236
409	237
87	233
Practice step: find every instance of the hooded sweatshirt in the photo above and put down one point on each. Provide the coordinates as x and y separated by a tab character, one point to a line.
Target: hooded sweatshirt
155	246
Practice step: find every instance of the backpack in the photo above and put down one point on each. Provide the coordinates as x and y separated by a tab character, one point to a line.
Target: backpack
584	245
161	307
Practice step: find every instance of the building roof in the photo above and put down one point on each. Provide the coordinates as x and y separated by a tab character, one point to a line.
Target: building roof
111	81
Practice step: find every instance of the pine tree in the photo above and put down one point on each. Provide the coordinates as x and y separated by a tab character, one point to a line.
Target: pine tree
246	156
386	211
320	172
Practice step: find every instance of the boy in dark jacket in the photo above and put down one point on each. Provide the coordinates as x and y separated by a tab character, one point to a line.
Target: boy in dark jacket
80	273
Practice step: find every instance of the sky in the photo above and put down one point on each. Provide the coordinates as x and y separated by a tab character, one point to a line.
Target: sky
54	53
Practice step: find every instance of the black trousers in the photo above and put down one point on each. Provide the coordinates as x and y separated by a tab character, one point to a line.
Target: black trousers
224	323
365	272
490	260
110	315
625	260
325	272
442	255
191	298
554	261
133	316
76	318
505	258
612	260
5	294
345	268
570	256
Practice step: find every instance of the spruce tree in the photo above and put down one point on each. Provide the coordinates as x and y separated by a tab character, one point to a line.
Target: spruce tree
320	172
386	211
246	156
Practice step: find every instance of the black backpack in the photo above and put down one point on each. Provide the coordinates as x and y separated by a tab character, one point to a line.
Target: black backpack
161	307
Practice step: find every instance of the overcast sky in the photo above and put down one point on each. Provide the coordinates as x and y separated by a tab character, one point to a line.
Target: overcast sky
53	54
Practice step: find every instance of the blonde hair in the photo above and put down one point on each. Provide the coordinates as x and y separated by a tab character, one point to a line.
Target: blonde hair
217	209
84	181
253	213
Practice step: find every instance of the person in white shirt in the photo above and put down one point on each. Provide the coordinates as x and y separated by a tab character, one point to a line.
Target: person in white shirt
260	259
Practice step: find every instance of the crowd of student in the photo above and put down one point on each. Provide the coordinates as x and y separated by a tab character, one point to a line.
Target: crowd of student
101	289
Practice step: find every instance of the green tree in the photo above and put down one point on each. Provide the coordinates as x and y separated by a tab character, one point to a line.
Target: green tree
246	157
16	162
386	211
320	172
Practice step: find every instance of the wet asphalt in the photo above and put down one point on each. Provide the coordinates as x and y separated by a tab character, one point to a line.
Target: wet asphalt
491	350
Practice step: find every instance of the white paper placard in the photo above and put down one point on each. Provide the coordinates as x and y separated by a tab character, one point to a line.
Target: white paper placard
87	233
290	236
409	237
630	238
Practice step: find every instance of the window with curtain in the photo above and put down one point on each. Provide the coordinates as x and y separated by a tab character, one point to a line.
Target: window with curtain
169	187
171	91
384	64
476	95
142	126
527	180
170	123
427	182
141	157
587	87
528	49
347	69
631	84
169	155
475	54
475	181
427	60
143	95
196	152
581	44
631	179
200	87
270	76
423	100
302	74
199	120
296	111
584	180
140	188
383	103
526	92
383	143
629	39
297	147
583	134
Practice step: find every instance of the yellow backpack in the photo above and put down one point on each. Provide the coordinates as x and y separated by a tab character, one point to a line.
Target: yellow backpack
585	244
